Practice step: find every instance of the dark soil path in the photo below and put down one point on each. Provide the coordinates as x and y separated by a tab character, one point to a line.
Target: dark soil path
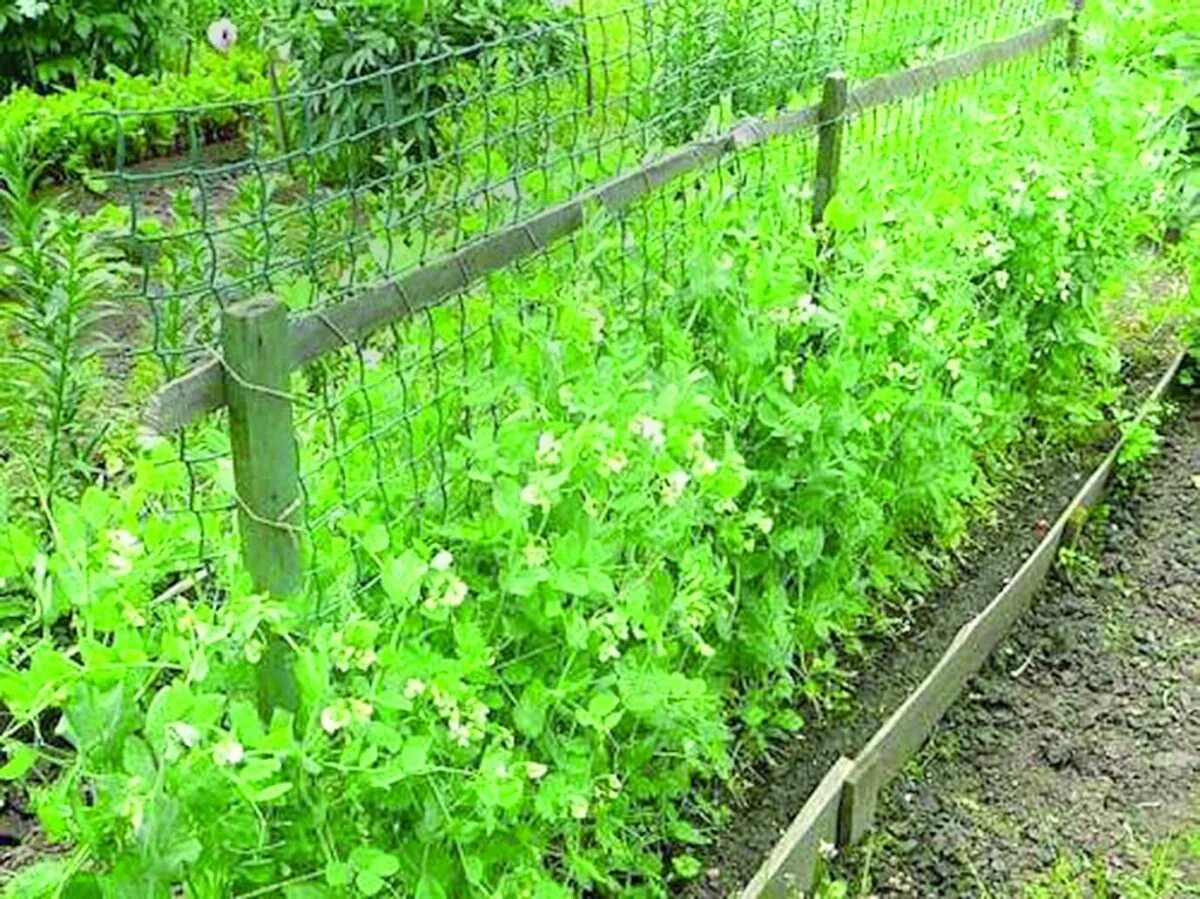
1084	729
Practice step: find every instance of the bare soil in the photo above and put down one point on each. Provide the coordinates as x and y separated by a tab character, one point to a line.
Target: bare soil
1084	728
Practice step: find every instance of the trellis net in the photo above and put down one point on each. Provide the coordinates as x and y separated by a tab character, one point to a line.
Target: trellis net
322	191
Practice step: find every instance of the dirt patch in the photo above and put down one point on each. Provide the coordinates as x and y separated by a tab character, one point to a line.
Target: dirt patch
21	840
1084	728
776	789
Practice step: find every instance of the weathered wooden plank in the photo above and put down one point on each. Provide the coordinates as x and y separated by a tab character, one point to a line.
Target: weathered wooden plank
257	369
793	863
257	372
180	402
912	723
1073	38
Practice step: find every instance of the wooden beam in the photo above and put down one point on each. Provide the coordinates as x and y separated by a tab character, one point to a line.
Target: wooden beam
1074	52
913	722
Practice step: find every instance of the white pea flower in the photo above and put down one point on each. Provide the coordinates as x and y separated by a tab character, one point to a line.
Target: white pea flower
253	651
134	808
531	495
132	616
414	688
459	732
954	366
1002	278
185	733
361	711
579	808
651	430
787	375
119	565
334	718
674	485
993	252
365	659
442	561
616	463
455	593
222	34
535	554
535	770
228	753
547	449
123	540
598	322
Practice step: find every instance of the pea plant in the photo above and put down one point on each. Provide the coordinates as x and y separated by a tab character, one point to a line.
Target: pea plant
613	548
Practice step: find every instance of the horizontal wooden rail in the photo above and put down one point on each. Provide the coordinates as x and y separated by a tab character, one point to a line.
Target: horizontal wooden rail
314	334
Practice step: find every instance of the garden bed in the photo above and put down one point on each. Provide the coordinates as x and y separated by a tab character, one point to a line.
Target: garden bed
1083	728
995	551
1034	499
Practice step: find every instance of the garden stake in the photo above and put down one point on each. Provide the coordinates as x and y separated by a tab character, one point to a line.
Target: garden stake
257	367
831	124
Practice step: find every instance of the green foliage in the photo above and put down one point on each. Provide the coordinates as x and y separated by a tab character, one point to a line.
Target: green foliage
46	42
568	577
68	133
385	67
709	45
1163	40
1162	872
667	533
54	274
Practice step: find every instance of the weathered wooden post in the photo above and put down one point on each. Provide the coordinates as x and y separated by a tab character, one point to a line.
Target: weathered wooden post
830	127
258	362
1074	28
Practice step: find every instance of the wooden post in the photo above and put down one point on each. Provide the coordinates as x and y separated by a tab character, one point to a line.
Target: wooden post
258	361
254	337
1073	43
830	127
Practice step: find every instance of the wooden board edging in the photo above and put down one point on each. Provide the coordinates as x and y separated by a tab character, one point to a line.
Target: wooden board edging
793	863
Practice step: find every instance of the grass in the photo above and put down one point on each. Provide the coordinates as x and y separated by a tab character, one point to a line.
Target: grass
1164	869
